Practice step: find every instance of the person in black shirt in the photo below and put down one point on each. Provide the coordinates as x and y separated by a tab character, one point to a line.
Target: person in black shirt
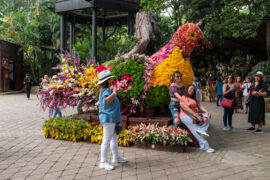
256	114
27	84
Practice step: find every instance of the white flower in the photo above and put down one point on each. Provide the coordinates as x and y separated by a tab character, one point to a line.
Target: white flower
66	71
51	92
80	74
69	84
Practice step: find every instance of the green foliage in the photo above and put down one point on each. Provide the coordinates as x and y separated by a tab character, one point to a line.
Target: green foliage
132	66
117	43
265	68
157	96
65	128
31	25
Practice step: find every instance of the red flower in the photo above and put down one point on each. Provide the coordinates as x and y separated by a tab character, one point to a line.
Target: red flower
129	78
102	68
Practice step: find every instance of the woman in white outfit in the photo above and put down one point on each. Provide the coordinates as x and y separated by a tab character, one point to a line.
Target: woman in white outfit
196	118
109	116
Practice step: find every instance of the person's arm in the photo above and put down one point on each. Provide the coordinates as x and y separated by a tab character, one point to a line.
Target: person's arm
224	89
248	96
110	98
181	98
190	111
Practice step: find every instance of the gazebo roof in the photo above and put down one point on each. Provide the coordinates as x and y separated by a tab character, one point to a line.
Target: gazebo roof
112	12
114	5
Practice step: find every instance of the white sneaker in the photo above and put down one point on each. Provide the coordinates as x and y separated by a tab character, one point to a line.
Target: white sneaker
119	160
106	166
210	150
226	128
201	132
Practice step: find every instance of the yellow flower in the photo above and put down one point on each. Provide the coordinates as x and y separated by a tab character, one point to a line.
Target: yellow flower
175	62
192	35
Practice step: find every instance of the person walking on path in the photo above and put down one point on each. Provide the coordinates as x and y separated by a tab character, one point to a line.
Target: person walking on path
110	117
27	84
256	114
198	87
238	94
229	93
176	92
246	85
219	86
195	110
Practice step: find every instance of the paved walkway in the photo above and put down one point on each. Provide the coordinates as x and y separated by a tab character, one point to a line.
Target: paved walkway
26	154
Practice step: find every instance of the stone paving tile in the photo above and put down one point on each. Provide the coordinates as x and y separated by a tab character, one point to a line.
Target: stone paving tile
26	154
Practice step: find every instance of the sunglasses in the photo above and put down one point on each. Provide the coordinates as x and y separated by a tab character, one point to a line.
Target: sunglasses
178	76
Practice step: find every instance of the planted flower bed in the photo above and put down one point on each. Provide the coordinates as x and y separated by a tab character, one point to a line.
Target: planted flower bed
151	136
80	130
160	138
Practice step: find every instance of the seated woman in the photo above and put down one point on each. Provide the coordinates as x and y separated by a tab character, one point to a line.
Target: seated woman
195	117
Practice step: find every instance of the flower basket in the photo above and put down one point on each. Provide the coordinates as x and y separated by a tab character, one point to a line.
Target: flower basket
180	149
85	116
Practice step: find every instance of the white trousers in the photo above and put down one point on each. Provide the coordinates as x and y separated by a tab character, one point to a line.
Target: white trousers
110	138
187	120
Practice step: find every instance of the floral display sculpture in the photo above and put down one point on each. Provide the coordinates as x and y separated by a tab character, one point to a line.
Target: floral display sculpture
157	69
141	81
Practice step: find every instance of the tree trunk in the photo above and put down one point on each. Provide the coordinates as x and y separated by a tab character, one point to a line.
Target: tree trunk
145	26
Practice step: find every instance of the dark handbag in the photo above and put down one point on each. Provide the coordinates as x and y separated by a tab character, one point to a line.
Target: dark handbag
118	128
227	103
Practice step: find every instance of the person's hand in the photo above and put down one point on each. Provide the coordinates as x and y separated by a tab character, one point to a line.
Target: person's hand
187	103
198	117
115	89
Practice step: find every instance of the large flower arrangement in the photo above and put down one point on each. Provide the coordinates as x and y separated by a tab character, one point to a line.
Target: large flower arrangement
150	75
77	82
167	136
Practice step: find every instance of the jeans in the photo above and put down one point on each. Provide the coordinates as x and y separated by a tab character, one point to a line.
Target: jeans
56	110
219	98
246	107
228	116
110	138
79	108
175	110
28	92
187	120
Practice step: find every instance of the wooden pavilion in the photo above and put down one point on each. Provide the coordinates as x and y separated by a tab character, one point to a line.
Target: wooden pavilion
101	13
